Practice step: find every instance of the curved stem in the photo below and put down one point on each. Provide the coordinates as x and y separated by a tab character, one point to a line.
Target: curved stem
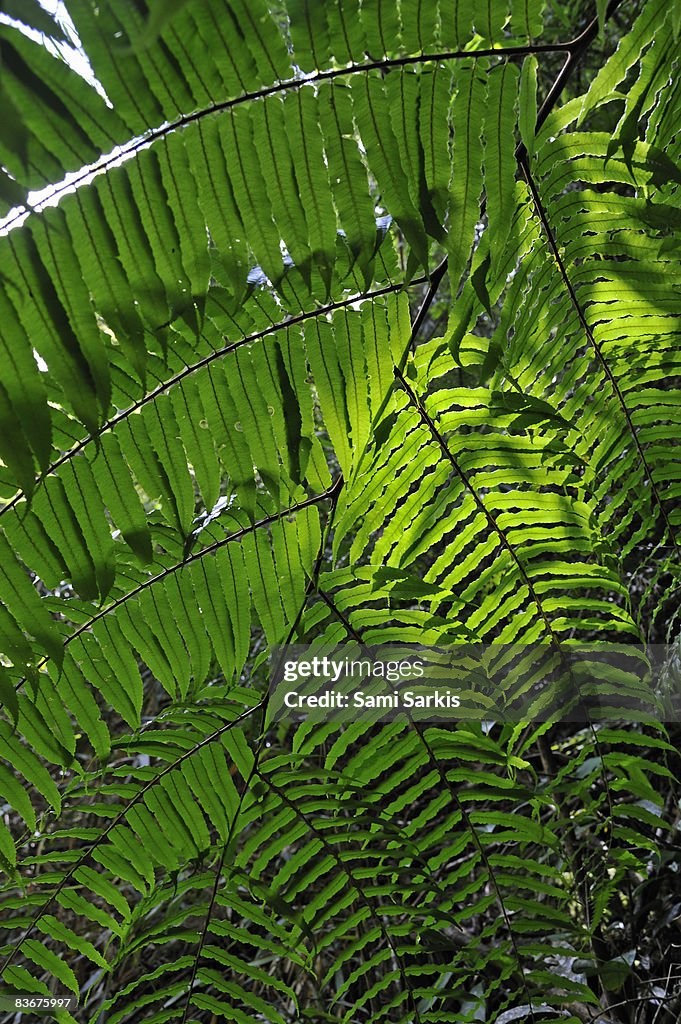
219	353
208	550
124	152
584	323
436	765
84	858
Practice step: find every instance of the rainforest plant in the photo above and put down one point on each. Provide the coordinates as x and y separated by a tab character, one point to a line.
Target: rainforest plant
339	323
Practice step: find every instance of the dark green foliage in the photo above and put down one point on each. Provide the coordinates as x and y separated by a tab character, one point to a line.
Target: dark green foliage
365	327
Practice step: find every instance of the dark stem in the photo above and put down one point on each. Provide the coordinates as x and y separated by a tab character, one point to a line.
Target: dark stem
569	287
296	83
83	859
219	353
436	765
216	886
209	549
364	899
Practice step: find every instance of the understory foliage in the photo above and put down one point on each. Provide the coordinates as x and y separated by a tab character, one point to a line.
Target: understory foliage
341	323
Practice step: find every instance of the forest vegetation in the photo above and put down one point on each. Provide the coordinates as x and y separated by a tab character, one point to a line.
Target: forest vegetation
345	324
